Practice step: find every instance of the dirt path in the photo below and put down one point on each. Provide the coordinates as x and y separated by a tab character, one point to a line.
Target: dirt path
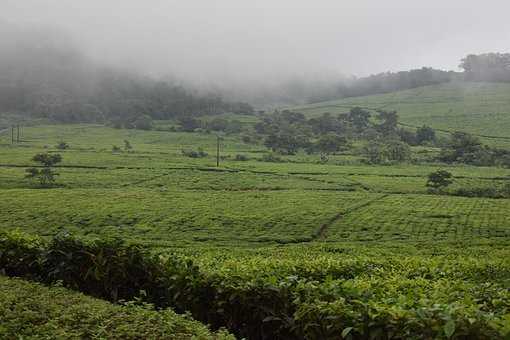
321	233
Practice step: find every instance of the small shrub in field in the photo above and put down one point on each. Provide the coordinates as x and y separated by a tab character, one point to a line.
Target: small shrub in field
199	153
116	149
62	146
271	157
241	158
127	145
439	180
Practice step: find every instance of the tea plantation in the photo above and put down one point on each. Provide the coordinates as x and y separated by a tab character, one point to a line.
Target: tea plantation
478	108
294	249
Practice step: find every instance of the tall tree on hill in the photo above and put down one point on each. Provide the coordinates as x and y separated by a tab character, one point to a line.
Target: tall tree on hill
359	118
388	123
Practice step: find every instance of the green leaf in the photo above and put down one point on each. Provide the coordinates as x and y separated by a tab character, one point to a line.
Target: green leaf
449	328
346	331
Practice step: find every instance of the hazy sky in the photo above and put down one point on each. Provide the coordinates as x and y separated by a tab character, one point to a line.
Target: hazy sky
241	39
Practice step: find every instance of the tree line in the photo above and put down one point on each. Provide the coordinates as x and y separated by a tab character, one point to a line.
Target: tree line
57	82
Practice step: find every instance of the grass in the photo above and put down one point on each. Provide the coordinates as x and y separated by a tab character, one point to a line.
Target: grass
478	108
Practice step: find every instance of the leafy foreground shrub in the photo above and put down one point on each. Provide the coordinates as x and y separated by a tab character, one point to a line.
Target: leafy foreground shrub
362	300
30	310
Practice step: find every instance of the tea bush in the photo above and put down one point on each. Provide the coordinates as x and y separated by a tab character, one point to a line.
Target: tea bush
30	310
278	294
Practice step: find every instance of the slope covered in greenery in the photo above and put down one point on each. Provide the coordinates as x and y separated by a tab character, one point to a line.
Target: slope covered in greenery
287	248
478	108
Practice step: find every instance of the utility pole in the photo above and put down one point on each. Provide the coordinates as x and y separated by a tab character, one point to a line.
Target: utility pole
12	134
17	136
218	151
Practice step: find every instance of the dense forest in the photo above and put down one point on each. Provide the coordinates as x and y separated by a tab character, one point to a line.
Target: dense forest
48	78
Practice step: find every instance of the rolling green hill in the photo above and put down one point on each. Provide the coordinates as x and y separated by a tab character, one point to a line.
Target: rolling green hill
478	108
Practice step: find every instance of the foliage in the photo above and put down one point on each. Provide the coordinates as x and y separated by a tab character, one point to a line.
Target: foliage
199	153
490	67
288	296
465	148
271	157
398	151
189	124
127	145
477	108
425	134
62	145
30	310
376	152
291	249
45	175
74	89
143	122
241	158
439	180
329	143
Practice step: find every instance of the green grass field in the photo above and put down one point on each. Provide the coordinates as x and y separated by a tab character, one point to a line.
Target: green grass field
478	108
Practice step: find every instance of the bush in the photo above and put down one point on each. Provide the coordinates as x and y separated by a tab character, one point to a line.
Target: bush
439	180
62	146
271	157
241	158
488	192
143	122
31	310
200	153
361	299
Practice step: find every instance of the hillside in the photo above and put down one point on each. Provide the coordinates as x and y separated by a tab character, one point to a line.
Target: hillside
478	108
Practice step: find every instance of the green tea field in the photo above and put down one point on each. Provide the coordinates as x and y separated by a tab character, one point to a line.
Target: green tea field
479	108
285	246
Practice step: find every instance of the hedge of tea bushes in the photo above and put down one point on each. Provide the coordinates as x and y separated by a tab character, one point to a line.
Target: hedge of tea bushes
32	311
330	297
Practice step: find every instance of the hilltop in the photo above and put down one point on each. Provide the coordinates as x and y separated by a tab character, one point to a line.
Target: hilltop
482	109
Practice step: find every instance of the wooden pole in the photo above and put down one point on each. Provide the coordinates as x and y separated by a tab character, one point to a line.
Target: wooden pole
217	151
17	136
12	134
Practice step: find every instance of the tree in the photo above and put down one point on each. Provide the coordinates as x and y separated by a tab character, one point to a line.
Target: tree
487	67
398	151
376	153
189	124
286	142
46	175
389	121
359	118
462	147
330	143
425	134
143	122
439	180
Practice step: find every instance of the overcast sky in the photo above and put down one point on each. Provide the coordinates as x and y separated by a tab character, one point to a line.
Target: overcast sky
241	39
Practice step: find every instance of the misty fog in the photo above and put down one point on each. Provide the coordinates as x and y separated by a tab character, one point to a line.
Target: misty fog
250	50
